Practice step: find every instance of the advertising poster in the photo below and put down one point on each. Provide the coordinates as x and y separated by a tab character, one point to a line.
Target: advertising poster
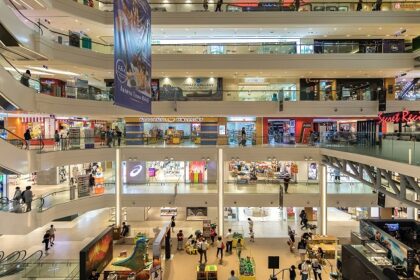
97	254
196	213
312	171
135	172
132	54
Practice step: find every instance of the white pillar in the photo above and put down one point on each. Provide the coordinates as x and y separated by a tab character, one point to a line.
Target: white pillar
220	183
117	187
323	193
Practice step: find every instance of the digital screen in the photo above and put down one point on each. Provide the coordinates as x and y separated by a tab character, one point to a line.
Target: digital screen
393	227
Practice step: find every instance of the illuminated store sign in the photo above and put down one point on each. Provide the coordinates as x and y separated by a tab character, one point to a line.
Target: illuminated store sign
404	116
171	120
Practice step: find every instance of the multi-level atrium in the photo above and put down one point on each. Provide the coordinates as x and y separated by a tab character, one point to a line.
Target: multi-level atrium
287	129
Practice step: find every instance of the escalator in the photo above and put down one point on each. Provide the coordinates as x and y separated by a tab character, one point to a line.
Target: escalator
20	263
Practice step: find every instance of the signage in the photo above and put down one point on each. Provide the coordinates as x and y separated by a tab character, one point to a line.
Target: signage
132	55
254	80
404	116
135	172
172	120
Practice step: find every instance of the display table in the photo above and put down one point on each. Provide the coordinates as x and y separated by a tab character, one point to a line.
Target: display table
327	243
209	272
247	269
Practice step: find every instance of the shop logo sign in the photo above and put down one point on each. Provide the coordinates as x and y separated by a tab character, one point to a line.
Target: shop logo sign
404	116
137	169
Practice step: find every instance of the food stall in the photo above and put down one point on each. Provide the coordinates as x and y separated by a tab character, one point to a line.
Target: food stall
327	243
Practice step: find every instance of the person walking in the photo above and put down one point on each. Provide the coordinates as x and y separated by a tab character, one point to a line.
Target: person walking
91	182
229	241
109	137
213	235
250	225
297	5
286	181
27	136
219	6
46	240
119	135
202	250
24	79
292	272
180	238
173	223
16	200
302	249
305	223
291	241
377	6
305	270
56	140
220	247
359	6
243	137
232	276
27	197
317	269
239	247
206	5
52	231
302	215
251	237
124	231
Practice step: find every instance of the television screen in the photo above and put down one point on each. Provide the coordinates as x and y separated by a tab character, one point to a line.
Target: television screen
393	227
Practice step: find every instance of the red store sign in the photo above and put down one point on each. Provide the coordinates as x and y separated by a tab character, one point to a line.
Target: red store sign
404	116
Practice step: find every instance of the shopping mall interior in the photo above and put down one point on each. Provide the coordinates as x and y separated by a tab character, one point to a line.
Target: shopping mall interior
197	139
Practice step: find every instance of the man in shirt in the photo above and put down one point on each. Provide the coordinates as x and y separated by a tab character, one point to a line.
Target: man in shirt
305	269
232	276
180	238
27	197
202	250
250	225
229	241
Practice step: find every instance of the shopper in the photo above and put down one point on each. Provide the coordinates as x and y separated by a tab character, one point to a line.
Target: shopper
220	247
250	225
305	223
46	240
213	235
305	270
219	6
109	137
24	79
302	249
94	275
377	6
202	250
91	182
180	238
243	137
286	181
16	201
206	5
114	137
119	135
57	139
229	241
359	6
302	215
52	235
291	241
251	237
27	197
103	136
27	136
173	223
297	5
337	176
292	272
232	276
239	247
124	231
320	254
317	269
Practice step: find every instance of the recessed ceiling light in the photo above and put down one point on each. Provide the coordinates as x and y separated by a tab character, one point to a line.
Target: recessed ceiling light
368	35
359	28
285	28
76	20
348	35
387	35
325	36
335	28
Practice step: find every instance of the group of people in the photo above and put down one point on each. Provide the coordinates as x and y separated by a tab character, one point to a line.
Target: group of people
111	137
19	198
49	238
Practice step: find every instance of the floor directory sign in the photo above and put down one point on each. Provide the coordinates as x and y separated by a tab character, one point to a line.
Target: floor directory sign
132	58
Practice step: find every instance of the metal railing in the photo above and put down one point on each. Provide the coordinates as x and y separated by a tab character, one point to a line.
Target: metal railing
255	6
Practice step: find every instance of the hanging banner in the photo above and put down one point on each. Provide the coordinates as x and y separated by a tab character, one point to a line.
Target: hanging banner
132	54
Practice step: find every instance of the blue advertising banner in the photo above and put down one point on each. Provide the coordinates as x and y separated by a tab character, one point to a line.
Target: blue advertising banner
132	54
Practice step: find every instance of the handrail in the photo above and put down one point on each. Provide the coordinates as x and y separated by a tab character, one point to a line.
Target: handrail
26	18
15	135
11	64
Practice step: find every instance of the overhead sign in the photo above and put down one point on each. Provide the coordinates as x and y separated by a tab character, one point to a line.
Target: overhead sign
172	120
132	54
404	116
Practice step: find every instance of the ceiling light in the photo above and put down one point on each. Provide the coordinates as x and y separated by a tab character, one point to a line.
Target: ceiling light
380	28
325	36
368	35
55	71
359	28
348	35
335	28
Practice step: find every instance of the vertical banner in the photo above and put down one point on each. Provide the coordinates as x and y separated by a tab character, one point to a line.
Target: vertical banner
132	54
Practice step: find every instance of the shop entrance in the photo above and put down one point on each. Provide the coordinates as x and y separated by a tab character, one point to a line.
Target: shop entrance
234	130
281	131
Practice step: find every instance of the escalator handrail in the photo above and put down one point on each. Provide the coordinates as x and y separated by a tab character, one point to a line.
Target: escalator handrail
28	19
15	135
2	255
11	64
19	265
5	260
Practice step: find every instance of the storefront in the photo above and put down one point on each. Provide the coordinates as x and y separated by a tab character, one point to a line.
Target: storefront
407	89
400	122
188	89
259	89
53	87
359	46
279	131
274	171
161	172
172	130
235	126
340	89
40	126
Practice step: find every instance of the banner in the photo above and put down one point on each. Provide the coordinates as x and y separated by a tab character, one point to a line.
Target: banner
133	54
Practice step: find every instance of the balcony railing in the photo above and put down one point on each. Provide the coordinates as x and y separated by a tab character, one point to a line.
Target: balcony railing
258	6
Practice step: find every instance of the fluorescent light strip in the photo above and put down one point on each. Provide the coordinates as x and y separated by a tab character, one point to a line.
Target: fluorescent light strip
11	69
55	71
39	3
24	3
221	41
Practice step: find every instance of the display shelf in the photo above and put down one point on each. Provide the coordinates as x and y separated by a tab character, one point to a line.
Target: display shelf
247	269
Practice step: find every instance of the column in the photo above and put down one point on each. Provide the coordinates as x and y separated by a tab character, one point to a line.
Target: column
118	187
323	194
220	183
